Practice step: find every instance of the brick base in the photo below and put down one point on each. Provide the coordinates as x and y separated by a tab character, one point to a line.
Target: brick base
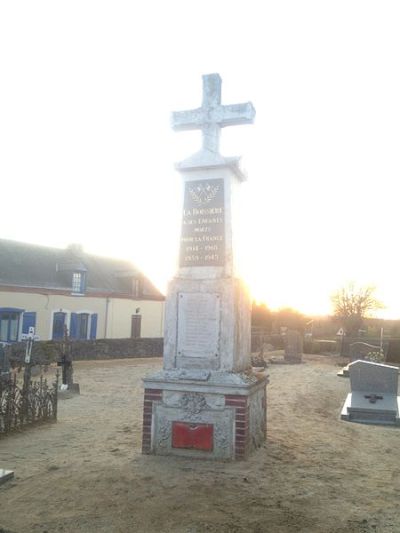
240	403
150	396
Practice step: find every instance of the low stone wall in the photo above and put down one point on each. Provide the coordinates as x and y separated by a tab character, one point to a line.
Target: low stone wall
46	352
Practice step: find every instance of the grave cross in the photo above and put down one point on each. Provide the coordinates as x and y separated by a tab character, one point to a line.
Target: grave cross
29	338
212	116
373	397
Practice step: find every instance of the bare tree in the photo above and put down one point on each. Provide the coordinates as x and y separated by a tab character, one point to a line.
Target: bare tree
351	304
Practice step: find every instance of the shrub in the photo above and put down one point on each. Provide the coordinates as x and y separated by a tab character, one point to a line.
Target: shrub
375	357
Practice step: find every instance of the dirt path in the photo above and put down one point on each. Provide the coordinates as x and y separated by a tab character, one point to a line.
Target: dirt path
315	473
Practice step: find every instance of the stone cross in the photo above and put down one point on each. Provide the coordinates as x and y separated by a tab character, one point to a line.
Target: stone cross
29	338
212	116
373	397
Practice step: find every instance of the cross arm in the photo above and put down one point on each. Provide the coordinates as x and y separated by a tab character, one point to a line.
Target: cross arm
187	120
236	114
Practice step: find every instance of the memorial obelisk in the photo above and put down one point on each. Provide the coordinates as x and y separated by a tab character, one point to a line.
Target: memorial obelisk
206	402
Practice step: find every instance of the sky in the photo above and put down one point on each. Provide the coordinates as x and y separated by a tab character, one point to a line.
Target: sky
87	153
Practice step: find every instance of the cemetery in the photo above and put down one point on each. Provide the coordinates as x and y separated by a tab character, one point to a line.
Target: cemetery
211	437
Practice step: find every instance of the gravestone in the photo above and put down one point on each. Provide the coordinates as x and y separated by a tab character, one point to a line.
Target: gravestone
293	346
373	398
207	402
29	339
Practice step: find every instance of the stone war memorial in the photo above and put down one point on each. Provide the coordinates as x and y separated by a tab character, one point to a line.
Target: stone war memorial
206	402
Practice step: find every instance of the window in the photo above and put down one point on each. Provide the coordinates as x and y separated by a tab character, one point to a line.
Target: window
83	325
136	326
58	325
78	282
9	324
79	326
135	287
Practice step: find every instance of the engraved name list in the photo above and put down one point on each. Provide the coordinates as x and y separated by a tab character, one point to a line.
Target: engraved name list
203	224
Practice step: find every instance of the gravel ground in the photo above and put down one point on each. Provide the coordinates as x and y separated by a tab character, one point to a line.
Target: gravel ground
314	474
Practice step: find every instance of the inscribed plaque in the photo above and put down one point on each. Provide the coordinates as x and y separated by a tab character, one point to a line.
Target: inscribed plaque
198	324
203	224
192	436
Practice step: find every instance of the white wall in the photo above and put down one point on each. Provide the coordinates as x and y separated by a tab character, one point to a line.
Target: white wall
113	314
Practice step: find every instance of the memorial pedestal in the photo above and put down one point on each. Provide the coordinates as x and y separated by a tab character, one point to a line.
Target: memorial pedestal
222	417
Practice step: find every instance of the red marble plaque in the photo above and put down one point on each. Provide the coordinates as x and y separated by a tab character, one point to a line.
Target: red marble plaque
192	436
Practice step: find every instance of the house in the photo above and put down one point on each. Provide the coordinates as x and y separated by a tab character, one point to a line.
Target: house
94	297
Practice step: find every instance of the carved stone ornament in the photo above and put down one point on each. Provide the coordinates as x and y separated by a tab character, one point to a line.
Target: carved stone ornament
164	434
193	403
203	193
220	438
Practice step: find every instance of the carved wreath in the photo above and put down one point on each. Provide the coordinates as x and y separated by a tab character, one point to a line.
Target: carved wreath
193	404
203	193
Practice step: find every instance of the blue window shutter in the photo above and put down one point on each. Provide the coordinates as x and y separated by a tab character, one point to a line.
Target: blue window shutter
73	327
28	321
93	326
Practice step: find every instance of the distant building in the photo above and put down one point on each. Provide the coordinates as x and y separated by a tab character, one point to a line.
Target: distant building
94	297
